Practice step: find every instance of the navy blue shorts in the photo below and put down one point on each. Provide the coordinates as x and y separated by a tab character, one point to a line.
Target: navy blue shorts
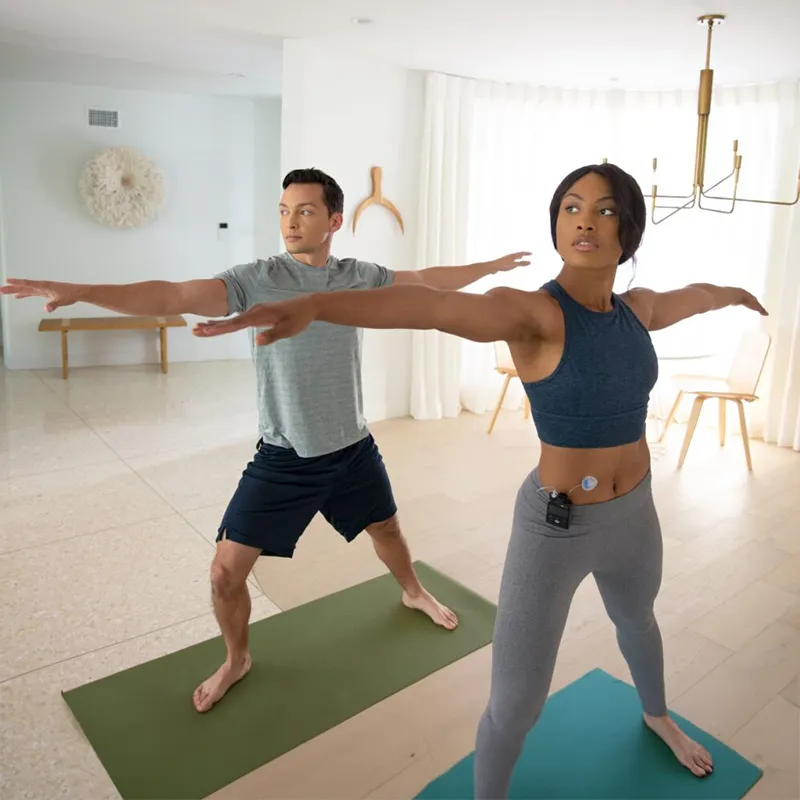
280	492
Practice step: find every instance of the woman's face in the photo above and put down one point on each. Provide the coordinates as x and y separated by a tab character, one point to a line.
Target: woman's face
587	232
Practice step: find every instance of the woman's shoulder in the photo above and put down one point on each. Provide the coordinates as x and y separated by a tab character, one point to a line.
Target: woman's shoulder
538	306
640	301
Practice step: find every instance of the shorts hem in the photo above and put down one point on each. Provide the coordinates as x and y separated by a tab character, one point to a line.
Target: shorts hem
374	519
239	538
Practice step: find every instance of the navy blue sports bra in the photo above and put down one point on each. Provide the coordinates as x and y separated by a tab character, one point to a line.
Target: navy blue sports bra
598	394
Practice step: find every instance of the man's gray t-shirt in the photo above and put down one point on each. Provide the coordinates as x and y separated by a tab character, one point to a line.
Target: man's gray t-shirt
309	386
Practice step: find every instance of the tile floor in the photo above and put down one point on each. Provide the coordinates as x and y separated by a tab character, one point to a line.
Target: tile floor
111	487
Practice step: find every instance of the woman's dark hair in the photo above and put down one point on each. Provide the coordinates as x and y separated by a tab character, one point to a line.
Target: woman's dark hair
631	209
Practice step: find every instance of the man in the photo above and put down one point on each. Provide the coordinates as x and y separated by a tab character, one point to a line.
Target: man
315	453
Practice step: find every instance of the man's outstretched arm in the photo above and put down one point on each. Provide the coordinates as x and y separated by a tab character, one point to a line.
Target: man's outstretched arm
454	278
207	297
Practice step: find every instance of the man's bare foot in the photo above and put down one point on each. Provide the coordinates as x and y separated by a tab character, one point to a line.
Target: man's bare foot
211	691
428	604
694	757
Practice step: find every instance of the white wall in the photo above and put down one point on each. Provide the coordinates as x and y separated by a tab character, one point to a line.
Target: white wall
207	147
3	300
345	114
268	176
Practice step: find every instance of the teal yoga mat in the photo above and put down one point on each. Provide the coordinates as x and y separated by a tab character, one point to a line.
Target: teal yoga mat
591	742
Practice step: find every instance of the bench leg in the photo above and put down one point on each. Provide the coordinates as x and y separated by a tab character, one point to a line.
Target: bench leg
163	335
64	355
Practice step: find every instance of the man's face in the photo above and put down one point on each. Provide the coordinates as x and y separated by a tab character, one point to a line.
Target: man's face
306	224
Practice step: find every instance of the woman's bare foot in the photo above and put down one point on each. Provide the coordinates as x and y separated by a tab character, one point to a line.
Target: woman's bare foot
428	604
212	690
694	757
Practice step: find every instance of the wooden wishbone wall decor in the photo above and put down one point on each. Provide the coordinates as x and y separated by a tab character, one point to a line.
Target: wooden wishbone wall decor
377	199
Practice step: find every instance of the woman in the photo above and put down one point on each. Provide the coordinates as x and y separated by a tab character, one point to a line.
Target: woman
587	364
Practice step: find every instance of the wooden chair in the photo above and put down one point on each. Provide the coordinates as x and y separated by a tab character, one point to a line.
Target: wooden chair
738	387
504	364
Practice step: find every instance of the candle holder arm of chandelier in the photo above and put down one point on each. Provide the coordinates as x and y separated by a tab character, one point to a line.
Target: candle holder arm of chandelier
736	199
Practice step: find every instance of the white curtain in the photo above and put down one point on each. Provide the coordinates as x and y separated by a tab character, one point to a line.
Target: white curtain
436	357
779	417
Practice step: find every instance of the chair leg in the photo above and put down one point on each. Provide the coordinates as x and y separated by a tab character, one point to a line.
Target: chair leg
723	422
697	407
527	408
745	436
499	403
670	416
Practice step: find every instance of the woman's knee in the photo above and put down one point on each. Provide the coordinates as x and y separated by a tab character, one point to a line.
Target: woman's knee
636	621
512	718
516	700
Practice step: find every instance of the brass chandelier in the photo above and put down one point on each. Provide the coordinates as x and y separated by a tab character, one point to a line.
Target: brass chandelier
699	190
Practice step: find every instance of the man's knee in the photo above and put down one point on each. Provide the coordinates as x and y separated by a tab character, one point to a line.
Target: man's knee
230	567
224	580
387	529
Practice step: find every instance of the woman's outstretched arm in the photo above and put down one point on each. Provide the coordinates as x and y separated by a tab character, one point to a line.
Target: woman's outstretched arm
664	309
502	314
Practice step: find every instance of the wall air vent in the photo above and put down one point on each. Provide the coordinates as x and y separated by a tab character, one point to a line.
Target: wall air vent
103	118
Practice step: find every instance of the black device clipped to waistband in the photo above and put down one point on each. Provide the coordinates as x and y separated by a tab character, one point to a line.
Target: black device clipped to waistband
558	510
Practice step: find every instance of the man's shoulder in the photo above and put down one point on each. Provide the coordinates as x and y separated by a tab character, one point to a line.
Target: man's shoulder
249	268
257	281
359	274
267	270
350	263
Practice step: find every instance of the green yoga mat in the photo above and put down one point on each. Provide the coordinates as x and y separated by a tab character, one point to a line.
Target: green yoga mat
591	742
314	667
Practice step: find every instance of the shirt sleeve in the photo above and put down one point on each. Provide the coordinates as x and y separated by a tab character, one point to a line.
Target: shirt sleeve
240	282
374	276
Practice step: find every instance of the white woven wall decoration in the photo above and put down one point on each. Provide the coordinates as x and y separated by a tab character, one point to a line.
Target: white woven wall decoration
122	188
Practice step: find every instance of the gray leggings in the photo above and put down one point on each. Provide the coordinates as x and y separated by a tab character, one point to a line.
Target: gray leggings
619	542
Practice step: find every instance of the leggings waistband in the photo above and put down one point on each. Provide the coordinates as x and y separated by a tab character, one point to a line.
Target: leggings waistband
593	514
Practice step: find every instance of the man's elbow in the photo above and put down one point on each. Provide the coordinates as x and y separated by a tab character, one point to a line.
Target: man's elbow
411	277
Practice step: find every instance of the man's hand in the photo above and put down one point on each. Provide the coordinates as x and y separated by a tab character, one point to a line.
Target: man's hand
56	294
509	262
282	320
455	278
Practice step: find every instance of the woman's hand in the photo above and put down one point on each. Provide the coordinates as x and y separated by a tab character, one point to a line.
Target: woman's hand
748	301
281	320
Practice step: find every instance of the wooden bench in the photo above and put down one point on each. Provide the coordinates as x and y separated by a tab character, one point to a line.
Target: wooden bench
111	324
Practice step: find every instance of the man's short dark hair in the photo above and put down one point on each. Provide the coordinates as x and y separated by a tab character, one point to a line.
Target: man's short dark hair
331	191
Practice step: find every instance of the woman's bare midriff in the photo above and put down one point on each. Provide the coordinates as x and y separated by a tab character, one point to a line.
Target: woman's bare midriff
617	470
